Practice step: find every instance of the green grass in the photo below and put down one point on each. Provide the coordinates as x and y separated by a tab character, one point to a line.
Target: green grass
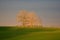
15	33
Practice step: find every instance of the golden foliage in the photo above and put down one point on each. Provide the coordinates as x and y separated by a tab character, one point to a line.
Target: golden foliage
26	18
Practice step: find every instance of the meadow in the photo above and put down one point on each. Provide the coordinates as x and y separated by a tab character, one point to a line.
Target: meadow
17	33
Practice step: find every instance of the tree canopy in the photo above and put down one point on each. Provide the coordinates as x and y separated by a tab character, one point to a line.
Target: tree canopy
25	18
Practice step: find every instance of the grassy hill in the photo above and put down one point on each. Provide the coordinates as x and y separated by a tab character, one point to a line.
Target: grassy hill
16	33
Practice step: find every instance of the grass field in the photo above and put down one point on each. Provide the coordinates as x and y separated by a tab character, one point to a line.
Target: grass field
15	33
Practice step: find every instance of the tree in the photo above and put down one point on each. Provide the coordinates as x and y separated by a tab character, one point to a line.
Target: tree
21	17
28	19
33	19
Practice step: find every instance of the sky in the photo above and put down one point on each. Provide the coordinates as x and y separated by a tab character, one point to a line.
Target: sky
47	10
